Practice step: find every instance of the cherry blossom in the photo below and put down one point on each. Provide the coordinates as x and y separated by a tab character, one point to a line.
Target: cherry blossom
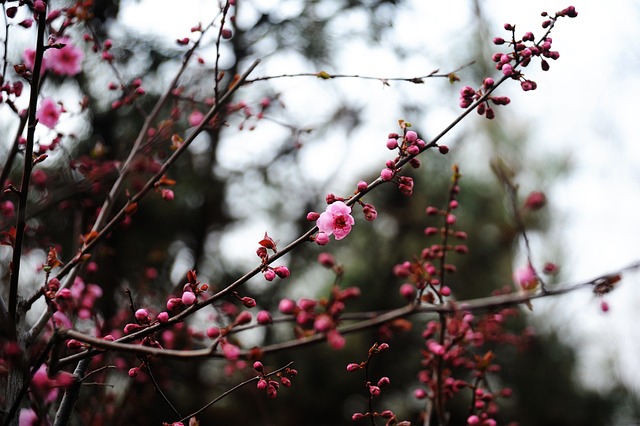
336	220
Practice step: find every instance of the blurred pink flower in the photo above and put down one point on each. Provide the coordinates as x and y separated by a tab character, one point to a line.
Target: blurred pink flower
336	220
48	113
66	60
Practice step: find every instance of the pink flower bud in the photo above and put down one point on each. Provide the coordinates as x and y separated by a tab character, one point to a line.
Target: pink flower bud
435	348
213	332
133	372
282	271
264	317
322	323
173	303
188	298
269	275
431	211
392	143
272	391
287	306
383	347
230	351
163	317
384	381
535	201
386	174
39	6
248	302
420	393
473	420
326	260
74	344
335	339
362	186
130	328
353	367
262	384
374	390
258	366
411	136
142	315
321	239
243	318
312	216
408	291
370	212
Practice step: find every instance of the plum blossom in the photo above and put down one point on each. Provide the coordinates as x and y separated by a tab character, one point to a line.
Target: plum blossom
336	220
66	60
48	113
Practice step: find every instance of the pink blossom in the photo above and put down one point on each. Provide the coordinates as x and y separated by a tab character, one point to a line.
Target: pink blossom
48	113
66	60
29	58
336	220
28	417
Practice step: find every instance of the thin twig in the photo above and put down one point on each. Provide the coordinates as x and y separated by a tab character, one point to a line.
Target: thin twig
236	387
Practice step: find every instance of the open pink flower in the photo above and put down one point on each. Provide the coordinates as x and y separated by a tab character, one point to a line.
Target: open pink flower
336	220
48	113
29	57
66	60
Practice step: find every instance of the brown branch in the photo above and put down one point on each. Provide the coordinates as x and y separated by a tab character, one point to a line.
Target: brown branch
363	322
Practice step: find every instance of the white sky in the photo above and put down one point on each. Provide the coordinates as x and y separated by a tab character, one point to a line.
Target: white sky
585	107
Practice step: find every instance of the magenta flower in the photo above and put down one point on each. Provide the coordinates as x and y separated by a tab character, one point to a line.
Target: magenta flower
48	113
66	60
336	220
29	57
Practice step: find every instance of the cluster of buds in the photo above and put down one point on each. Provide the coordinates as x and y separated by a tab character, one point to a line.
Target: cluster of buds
460	345
320	316
251	115
424	275
271	386
523	50
130	92
270	272
374	389
190	292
